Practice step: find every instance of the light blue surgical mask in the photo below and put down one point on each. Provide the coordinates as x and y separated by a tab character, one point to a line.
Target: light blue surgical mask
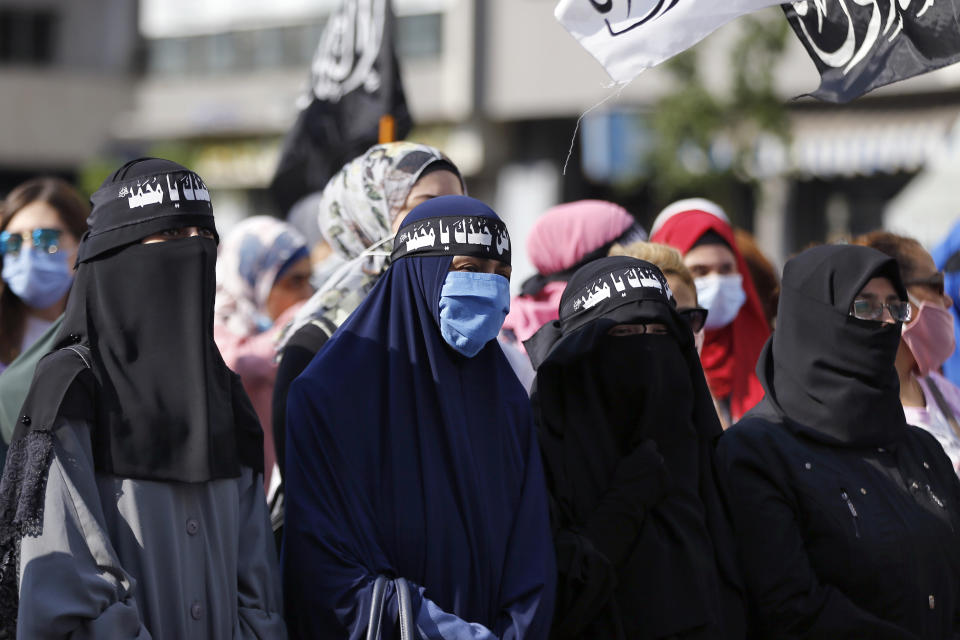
37	277
262	321
472	309
722	296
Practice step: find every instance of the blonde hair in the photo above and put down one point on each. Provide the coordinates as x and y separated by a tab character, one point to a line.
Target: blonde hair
666	258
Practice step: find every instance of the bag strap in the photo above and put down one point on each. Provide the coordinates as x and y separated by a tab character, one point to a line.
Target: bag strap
407	626
377	604
376	608
326	325
944	406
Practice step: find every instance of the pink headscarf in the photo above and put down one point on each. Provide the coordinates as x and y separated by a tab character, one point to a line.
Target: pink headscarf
561	239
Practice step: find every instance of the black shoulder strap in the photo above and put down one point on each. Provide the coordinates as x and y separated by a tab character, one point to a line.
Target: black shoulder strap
325	324
53	377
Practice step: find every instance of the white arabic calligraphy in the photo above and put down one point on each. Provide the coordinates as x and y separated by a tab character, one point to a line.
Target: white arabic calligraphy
636	278
348	50
149	192
597	296
482	238
848	55
421	239
622	18
174	192
199	189
466	231
503	242
146	194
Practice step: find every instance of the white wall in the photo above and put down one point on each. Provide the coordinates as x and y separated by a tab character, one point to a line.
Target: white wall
524	192
58	116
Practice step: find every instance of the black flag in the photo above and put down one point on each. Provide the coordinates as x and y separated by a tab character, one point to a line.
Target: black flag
859	45
354	81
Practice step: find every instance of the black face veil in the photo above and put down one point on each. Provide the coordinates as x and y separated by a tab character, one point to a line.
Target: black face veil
830	375
630	383
166	406
597	399
135	357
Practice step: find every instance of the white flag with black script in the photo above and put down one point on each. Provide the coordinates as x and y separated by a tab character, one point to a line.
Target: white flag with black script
628	36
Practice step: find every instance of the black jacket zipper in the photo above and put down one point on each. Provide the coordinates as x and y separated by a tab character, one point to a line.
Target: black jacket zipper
853	512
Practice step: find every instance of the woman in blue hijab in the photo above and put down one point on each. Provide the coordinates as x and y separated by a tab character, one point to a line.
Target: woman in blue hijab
412	452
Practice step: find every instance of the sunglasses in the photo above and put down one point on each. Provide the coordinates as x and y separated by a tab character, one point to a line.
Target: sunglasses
47	240
696	317
872	310
935	282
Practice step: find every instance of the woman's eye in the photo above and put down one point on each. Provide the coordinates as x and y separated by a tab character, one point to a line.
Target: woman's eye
171	233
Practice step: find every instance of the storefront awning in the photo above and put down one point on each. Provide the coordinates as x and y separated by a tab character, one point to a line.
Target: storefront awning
857	142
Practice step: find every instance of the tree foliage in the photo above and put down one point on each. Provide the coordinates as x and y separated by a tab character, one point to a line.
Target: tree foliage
703	142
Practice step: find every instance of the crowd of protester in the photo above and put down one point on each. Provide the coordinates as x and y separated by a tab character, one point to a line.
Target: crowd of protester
211	437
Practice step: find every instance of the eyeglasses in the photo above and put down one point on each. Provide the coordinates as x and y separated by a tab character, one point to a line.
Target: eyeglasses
935	282
696	317
863	309
47	240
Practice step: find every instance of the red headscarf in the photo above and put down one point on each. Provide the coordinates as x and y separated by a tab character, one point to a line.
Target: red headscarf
730	353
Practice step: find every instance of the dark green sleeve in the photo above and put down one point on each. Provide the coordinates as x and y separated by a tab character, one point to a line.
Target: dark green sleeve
15	381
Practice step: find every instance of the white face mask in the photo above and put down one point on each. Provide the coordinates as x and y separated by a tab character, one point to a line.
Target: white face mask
722	296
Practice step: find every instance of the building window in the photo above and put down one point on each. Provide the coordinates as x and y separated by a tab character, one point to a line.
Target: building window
27	36
287	47
420	36
167	56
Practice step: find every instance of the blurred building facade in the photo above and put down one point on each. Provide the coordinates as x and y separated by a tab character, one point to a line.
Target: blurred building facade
500	85
497	84
67	70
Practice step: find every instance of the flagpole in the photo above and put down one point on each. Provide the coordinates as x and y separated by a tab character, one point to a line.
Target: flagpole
388	129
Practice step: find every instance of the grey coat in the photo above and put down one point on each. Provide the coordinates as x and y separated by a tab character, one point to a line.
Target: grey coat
126	558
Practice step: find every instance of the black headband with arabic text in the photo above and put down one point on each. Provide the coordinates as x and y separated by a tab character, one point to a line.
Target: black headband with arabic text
124	212
613	289
476	236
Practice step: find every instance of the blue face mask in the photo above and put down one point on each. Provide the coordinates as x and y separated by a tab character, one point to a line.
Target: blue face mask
472	309
38	278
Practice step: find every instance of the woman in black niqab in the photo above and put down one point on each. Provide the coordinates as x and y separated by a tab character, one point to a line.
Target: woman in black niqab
167	406
626	427
132	426
846	517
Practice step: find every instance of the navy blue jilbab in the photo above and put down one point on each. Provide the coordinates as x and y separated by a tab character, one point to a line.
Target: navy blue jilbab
407	459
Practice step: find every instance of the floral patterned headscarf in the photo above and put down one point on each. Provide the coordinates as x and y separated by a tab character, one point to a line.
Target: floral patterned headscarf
250	259
357	212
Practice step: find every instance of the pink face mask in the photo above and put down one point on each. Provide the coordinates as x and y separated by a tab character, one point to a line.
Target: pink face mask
930	336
